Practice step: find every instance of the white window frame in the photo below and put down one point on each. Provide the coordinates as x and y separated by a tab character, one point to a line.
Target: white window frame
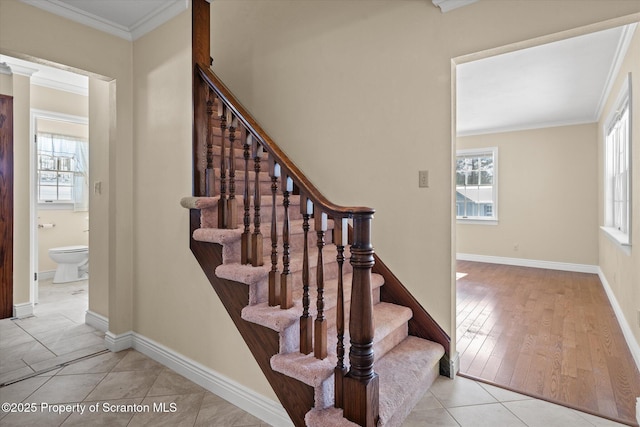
487	220
618	168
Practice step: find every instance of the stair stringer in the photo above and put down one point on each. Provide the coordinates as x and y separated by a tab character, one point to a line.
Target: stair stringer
296	397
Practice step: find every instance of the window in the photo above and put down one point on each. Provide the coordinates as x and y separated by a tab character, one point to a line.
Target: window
617	142
476	184
62	169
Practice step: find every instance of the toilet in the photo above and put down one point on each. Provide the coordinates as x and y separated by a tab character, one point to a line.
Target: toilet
73	263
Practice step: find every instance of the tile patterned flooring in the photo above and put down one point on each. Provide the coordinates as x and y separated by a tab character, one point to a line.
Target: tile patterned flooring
123	389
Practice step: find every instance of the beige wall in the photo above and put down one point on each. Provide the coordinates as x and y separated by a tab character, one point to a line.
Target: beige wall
368	80
621	268
29	33
6	84
175	305
21	190
366	88
547	196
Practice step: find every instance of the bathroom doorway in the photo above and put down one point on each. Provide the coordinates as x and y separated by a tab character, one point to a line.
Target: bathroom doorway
61	201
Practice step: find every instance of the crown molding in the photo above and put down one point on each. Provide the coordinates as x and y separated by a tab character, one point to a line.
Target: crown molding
447	5
158	17
620	54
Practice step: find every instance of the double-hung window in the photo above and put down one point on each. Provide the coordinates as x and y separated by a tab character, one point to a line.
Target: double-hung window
477	184
617	185
62	169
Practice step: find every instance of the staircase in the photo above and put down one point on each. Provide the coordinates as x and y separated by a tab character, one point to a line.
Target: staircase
337	336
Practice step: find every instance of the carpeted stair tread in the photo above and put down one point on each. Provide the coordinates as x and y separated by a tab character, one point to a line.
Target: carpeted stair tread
306	368
250	275
278	319
405	374
228	236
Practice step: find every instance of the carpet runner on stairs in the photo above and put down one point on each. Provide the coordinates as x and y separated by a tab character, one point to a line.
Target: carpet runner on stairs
406	365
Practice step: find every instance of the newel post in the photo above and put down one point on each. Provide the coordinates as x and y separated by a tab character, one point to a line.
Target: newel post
361	382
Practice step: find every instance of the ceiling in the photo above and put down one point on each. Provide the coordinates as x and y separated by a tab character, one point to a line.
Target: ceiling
555	84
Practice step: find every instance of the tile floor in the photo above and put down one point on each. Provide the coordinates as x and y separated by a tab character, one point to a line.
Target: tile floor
130	389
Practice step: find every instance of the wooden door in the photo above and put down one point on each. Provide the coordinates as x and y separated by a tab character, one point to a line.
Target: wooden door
6	206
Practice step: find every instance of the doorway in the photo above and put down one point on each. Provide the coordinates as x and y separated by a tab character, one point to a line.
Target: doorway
61	201
498	257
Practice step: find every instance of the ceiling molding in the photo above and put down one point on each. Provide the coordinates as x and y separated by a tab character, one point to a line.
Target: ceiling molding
519	128
447	5
160	15
5	69
49	77
621	51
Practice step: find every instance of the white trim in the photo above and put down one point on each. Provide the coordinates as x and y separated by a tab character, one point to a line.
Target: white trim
634	347
620	54
24	309
454	365
157	18
60	85
522	262
116	343
266	409
96	320
447	5
257	405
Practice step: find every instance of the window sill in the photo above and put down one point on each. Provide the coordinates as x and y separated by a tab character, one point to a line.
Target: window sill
618	237
491	221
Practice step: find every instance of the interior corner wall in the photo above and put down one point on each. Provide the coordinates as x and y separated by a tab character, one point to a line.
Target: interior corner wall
30	33
547	196
621	268
358	94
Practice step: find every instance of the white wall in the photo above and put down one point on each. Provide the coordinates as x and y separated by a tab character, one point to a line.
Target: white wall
547	197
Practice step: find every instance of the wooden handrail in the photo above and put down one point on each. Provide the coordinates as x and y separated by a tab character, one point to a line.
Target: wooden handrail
281	158
357	389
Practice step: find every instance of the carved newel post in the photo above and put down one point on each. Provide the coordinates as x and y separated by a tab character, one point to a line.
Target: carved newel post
361	382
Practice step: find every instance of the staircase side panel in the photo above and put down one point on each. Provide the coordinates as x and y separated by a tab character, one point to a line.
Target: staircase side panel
295	397
421	325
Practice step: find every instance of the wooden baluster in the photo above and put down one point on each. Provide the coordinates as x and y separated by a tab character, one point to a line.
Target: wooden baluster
340	239
320	326
361	384
209	175
222	203
306	321
286	282
256	240
245	241
232	202
274	274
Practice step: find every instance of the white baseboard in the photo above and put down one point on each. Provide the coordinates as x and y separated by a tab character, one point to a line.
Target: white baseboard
96	320
46	275
622	321
522	262
116	343
454	365
23	310
257	405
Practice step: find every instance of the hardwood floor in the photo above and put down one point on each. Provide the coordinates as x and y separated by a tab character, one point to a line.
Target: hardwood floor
550	334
